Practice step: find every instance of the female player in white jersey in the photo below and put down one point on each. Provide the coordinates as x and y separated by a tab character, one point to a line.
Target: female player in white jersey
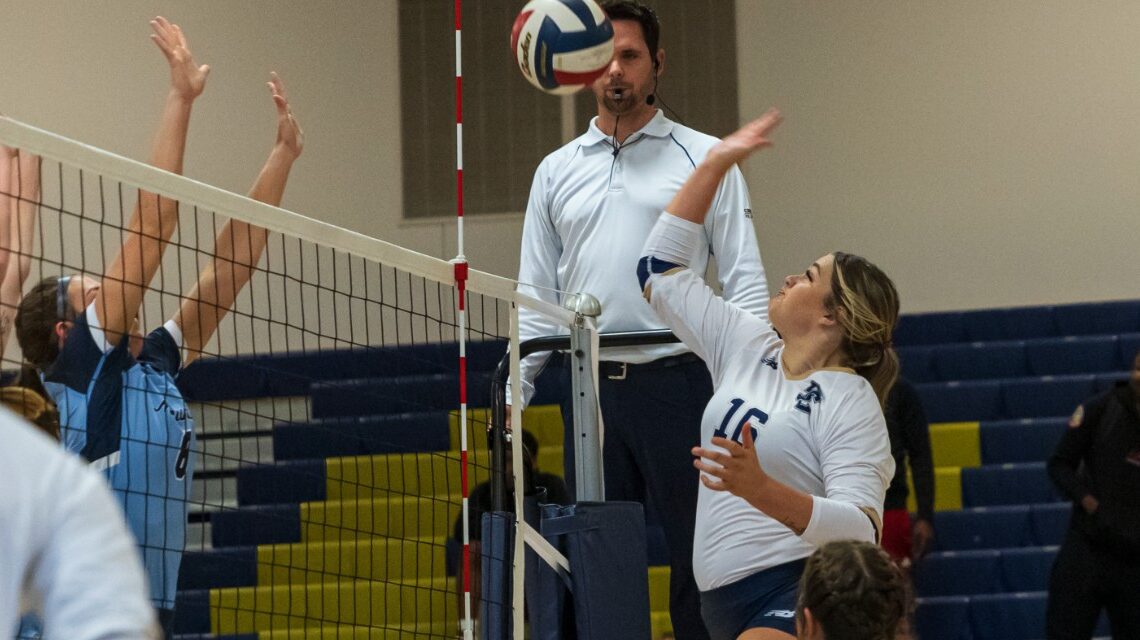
794	449
116	391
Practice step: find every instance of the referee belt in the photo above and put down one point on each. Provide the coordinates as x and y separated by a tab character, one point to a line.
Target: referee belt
614	370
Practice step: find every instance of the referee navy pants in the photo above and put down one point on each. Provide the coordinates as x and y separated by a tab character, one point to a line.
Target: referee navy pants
1086	580
652	414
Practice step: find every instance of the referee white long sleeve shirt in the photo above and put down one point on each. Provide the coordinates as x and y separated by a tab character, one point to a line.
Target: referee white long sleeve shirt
65	551
589	213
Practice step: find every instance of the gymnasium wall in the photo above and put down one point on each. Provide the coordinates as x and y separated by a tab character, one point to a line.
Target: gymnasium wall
983	153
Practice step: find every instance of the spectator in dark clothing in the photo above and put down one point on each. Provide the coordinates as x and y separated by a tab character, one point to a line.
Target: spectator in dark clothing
907	541
536	481
1097	466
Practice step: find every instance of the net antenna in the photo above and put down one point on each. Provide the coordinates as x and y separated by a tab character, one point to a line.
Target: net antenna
461	272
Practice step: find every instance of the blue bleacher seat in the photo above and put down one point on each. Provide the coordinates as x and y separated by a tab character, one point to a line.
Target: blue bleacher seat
1048	522
362	435
1026	440
961	401
918	363
943	618
1008	616
216	568
288	374
1104	381
982	528
1027	569
193	608
1071	354
283	482
256	525
930	328
1098	317
1047	397
405	394
1128	345
1007	484
980	360
1009	324
958	573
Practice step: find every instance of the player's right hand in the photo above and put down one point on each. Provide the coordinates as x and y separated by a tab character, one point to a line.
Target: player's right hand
187	79
744	141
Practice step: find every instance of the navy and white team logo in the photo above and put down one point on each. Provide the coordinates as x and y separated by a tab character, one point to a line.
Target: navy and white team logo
770	361
809	396
779	613
748	213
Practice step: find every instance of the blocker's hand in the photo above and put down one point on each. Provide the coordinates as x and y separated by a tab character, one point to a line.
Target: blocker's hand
736	470
187	79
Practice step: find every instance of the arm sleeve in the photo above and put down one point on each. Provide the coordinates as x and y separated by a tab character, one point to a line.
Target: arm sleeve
713	328
538	278
89	575
1074	444
162	348
856	462
916	432
732	239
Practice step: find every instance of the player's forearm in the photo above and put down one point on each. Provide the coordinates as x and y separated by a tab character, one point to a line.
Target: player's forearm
270	184
782	503
692	202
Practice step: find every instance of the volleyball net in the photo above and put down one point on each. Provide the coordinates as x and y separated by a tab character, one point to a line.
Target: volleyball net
304	475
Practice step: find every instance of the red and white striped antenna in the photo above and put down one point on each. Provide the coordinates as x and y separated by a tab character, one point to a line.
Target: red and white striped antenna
460	263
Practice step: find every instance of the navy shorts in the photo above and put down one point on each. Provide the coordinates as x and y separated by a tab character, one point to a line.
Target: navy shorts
764	599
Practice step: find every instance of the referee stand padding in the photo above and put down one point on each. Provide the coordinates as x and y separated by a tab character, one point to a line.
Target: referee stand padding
605	595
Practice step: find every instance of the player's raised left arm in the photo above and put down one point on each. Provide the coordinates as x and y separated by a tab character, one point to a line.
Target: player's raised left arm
732	239
239	245
692	202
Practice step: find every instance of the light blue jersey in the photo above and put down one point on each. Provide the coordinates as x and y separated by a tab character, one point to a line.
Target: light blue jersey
127	417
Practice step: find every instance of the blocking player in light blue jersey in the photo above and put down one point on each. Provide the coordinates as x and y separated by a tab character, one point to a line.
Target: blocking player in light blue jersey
116	390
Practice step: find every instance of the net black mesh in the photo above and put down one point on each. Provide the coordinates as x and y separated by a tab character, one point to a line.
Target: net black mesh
324	470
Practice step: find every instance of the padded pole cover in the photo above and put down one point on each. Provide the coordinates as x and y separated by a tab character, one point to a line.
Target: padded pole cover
608	594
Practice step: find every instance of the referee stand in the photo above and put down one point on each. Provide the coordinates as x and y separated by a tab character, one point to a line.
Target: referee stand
585	565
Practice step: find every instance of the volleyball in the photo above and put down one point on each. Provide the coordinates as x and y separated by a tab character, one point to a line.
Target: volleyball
562	45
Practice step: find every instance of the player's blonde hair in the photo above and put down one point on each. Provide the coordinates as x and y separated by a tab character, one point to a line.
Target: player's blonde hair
33	406
867	306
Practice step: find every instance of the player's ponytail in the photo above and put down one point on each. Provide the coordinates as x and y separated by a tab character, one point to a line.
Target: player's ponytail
867	305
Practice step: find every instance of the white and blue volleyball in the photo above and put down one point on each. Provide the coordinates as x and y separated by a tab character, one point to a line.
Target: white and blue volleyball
562	45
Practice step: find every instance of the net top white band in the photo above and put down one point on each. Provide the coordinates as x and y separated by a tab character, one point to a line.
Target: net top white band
192	192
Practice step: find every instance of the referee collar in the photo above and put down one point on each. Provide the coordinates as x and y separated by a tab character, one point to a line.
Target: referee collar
659	126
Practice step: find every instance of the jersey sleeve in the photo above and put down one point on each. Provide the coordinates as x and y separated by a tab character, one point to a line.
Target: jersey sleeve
856	464
538	277
161	351
713	328
732	240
